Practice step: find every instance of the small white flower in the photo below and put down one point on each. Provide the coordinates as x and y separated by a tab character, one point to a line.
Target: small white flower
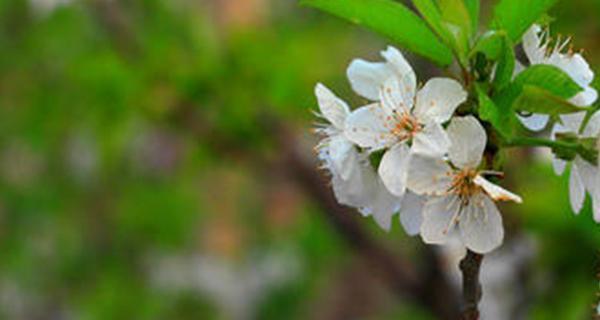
355	183
403	117
462	201
351	177
584	176
536	44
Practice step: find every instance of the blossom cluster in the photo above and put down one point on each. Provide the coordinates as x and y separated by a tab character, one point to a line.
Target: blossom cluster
410	151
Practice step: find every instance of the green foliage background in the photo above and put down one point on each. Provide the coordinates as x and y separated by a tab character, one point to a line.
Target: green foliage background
135	130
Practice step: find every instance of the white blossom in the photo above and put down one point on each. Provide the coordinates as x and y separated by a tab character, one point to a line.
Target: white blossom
404	120
462	200
585	176
536	44
355	183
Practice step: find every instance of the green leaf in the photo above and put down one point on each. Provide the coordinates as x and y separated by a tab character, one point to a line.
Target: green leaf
392	20
537	100
516	16
549	78
490	44
501	117
473	8
506	64
456	13
432	15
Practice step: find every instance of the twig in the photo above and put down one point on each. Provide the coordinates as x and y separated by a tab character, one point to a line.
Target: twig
470	266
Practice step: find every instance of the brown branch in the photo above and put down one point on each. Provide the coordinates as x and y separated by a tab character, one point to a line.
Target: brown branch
470	266
428	286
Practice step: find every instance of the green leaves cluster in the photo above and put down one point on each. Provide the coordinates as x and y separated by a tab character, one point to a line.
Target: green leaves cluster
447	30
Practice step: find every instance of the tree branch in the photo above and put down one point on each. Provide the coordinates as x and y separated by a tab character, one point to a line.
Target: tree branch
470	266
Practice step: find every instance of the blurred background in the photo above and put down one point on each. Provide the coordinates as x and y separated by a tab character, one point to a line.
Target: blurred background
156	163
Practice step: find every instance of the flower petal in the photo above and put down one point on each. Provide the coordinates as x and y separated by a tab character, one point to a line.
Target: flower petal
403	70
575	66
393	168
496	192
439	218
358	189
532	45
592	128
480	225
383	206
343	157
596	208
334	109
366	78
428	176
411	213
559	166
394	96
585	98
432	141
571	121
438	99
367	127
576	190
588	174
534	122
468	141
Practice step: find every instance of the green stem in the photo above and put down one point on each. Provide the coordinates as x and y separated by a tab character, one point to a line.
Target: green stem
539	142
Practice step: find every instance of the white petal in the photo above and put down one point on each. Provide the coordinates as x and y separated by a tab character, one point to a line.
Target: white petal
428	176
439	218
367	78
596	208
403	70
572	121
432	141
393	168
480	225
585	98
411	213
559	166
535	122
575	66
496	192
438	99
592	128
519	67
342	156
333	108
394	97
358	190
384	206
588	174
468	141
532	44
576	190
367	127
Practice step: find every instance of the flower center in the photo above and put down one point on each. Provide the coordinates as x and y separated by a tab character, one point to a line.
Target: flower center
406	126
463	185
